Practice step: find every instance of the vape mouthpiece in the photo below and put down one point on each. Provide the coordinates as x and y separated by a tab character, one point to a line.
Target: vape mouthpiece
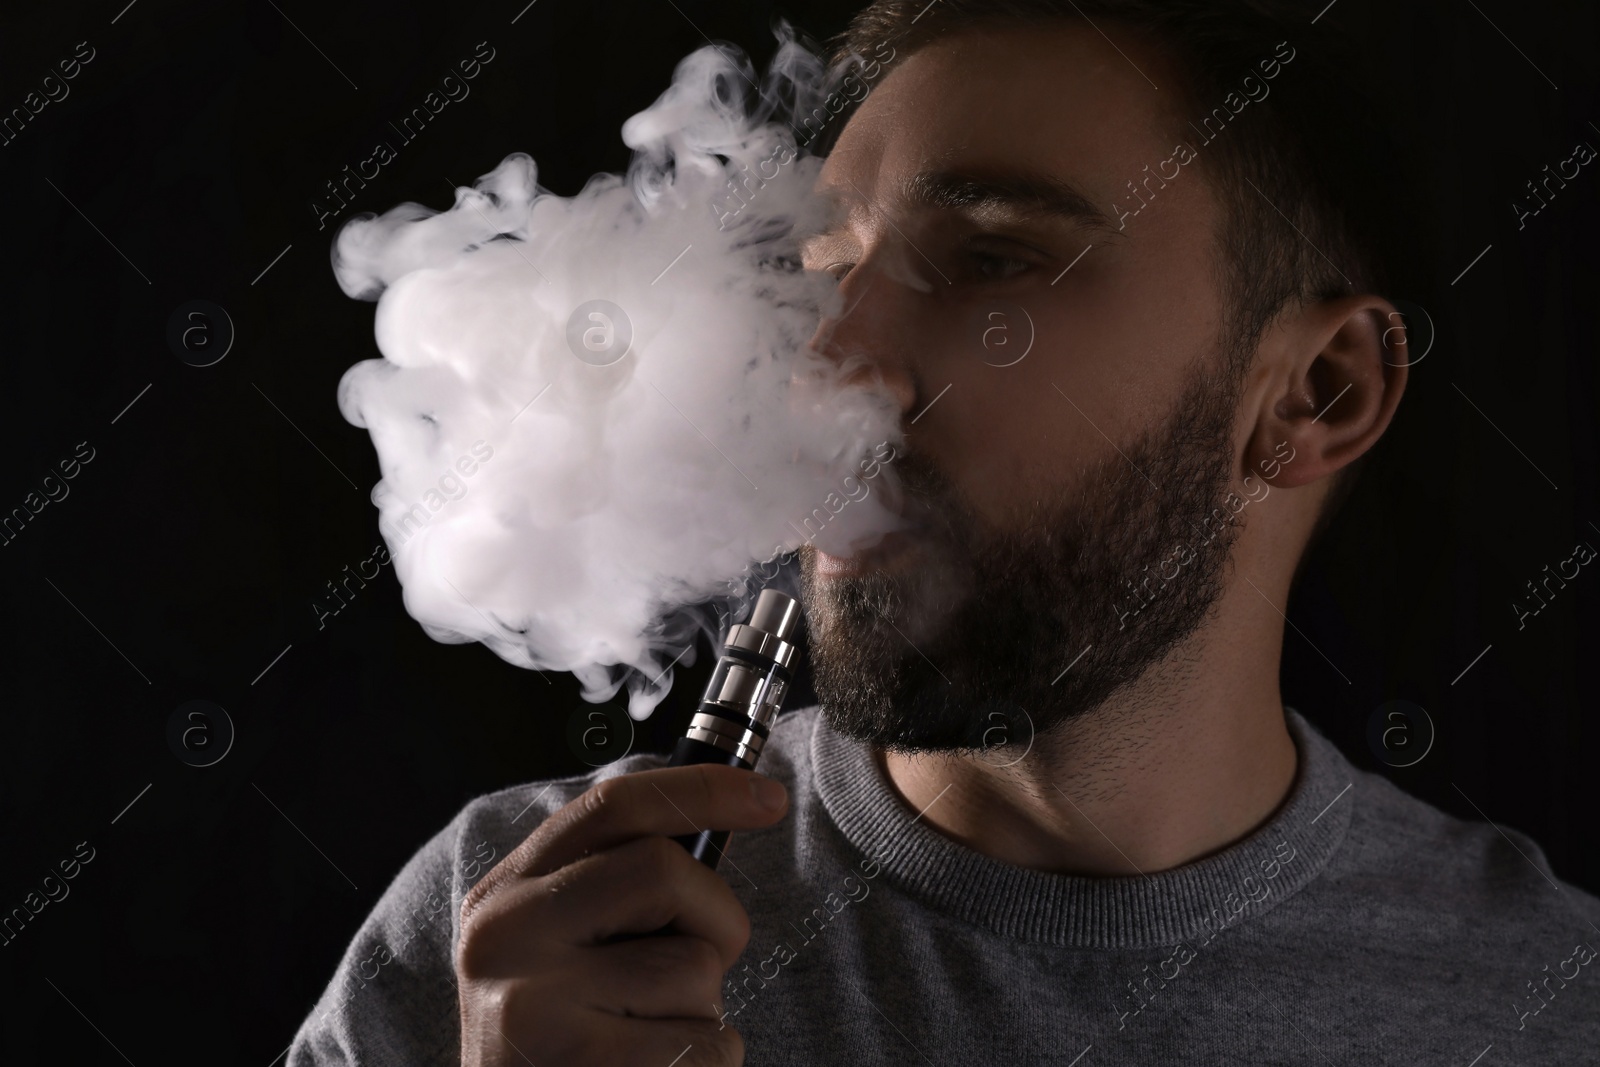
741	701
775	614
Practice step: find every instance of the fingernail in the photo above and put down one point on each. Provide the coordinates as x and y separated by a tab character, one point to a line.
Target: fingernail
769	792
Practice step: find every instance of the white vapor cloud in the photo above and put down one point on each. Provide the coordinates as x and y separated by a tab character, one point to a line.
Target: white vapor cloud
640	462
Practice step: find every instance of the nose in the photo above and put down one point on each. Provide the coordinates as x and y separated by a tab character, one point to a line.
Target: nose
869	327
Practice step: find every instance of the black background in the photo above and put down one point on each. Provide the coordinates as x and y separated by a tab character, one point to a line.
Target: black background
191	548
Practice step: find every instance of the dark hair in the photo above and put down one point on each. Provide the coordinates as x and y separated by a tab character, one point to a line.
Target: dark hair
1311	182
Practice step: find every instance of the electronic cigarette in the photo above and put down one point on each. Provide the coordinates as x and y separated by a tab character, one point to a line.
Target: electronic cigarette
741	701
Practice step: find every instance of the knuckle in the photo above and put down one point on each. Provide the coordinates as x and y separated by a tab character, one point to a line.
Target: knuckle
473	951
493	1003
519	1004
480	949
486	1007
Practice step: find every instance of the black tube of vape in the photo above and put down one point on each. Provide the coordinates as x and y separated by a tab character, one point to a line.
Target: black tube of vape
741	701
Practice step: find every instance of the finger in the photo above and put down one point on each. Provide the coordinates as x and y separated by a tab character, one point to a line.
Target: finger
528	1022
678	1042
636	888
654	978
667	800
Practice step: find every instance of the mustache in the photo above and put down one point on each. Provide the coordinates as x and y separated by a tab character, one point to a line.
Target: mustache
928	500
935	509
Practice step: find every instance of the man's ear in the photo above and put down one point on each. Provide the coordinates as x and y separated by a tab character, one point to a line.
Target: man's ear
1334	373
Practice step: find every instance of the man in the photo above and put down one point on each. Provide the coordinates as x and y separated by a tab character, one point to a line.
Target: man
1051	808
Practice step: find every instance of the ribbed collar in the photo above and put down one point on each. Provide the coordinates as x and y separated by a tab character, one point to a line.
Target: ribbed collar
1184	904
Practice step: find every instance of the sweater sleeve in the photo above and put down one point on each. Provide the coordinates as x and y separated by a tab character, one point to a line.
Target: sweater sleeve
392	999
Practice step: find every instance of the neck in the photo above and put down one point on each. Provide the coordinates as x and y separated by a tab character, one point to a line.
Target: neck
1189	759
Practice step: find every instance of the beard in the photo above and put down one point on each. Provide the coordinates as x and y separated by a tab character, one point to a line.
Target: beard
992	636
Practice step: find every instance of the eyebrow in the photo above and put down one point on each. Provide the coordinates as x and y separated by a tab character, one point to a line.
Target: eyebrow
1028	193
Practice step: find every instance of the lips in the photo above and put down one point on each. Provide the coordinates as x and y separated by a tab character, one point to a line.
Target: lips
888	553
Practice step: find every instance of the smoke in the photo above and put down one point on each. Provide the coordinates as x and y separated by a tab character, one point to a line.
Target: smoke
594	413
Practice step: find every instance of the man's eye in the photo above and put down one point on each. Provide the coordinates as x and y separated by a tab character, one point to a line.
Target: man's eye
991	267
838	270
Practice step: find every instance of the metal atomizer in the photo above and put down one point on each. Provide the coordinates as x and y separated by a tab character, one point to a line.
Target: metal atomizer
741	701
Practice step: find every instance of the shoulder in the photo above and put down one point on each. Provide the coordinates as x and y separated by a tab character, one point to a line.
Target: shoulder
1421	873
1464	915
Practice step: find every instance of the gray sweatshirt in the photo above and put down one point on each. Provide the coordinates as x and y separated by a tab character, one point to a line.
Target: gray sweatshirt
1359	925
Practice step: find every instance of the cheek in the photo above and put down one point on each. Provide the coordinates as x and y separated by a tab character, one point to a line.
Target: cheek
1099	366
1000	428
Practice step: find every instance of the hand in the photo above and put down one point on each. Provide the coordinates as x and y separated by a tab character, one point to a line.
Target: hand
548	972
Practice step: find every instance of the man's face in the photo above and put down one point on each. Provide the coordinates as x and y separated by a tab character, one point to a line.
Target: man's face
1047	485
